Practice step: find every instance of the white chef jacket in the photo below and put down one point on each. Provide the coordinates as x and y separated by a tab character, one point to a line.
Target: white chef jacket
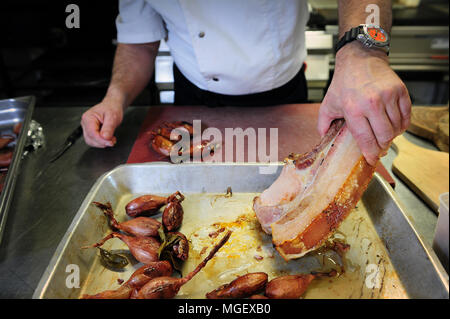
229	47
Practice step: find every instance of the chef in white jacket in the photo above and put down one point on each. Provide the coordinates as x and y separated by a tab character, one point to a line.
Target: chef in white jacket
252	52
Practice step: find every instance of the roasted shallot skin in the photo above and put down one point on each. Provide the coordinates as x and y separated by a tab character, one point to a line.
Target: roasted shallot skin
147	272
172	216
138	279
146	204
180	124
288	287
242	287
162	145
139	226
161	288
149	204
6	157
123	292
144	249
164	141
165	132
181	248
168	287
5	140
258	297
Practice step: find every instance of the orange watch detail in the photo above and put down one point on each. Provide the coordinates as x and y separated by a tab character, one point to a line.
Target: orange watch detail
376	34
371	36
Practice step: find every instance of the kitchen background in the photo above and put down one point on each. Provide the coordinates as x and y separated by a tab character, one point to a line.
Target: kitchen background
71	67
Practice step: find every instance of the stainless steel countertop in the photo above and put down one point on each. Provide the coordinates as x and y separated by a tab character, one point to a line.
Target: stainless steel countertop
47	196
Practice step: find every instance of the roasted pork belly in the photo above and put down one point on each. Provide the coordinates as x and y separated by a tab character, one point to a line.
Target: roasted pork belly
314	193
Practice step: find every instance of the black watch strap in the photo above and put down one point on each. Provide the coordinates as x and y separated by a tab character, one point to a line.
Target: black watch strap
348	37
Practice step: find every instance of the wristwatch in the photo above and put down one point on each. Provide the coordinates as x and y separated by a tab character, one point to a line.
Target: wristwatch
370	35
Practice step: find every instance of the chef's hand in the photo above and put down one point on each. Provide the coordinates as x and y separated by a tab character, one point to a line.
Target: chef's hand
99	123
370	96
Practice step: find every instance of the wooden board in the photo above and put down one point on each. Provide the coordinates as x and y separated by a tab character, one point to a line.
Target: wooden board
424	171
442	138
431	122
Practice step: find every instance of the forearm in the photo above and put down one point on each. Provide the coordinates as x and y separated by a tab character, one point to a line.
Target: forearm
365	91
353	13
133	67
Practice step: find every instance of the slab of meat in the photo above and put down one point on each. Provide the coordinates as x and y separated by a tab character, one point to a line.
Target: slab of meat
314	193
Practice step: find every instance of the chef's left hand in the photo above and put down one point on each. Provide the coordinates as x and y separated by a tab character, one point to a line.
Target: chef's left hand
370	96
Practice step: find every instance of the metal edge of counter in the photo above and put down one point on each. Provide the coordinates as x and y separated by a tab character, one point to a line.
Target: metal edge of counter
11	178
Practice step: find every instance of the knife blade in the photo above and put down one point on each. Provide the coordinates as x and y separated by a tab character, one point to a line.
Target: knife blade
70	140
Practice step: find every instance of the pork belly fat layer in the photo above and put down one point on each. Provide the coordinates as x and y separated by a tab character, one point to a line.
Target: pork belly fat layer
314	193
338	186
286	193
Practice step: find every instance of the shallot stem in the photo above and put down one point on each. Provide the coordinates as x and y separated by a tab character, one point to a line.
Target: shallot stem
101	242
108	212
210	255
174	197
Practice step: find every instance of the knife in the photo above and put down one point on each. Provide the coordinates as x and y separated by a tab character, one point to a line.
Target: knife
70	140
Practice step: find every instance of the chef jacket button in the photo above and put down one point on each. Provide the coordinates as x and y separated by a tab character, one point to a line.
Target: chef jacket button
201	34
215	79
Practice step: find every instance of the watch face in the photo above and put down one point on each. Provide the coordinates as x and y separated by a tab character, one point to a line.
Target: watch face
377	34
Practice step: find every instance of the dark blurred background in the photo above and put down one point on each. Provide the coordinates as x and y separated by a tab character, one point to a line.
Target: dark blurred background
41	56
65	67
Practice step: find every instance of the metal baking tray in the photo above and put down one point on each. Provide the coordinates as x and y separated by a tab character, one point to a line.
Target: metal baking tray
13	111
378	232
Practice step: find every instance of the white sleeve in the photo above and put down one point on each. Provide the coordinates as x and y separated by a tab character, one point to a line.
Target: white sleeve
138	22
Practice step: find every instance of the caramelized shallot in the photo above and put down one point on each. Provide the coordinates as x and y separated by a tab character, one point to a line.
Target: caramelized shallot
162	145
168	287
6	157
181	247
144	249
138	279
149	204
5	140
241	287
172	216
288	287
139	226
180	124
258	297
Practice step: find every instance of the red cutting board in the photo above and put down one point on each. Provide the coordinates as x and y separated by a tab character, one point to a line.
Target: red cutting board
296	124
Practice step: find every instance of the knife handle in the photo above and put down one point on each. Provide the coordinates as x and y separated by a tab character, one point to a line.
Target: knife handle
75	134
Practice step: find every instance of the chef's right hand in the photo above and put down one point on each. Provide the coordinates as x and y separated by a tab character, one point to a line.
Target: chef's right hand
100	122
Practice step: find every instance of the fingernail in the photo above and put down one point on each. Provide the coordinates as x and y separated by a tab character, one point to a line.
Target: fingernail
106	135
